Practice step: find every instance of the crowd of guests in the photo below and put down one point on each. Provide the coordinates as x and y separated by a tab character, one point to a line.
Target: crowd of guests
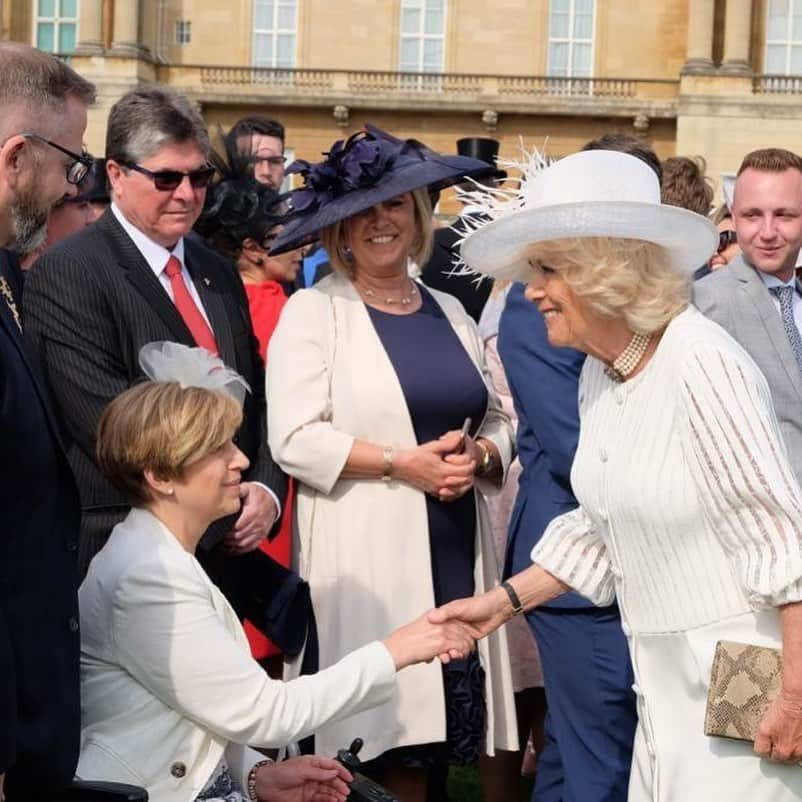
303	492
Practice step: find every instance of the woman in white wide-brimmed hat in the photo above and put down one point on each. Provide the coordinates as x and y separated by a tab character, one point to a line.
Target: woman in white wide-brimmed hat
689	512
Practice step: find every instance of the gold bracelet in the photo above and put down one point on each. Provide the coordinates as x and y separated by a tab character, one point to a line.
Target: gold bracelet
387	464
252	778
487	462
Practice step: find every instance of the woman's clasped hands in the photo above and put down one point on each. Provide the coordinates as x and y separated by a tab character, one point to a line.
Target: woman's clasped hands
443	468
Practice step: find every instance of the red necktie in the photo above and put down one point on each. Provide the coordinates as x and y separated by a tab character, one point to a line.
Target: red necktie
188	309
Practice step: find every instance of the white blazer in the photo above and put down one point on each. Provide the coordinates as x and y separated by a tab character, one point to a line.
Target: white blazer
168	685
363	544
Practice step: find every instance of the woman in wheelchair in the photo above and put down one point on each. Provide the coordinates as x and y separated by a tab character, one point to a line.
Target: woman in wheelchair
171	698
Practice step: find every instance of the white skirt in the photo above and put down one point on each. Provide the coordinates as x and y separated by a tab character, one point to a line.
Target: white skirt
673	760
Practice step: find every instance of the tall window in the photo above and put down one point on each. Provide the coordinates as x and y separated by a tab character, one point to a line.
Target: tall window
784	37
183	31
56	25
571	38
423	25
274	32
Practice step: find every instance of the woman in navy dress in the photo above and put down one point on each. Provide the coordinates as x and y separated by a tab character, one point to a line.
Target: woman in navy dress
388	516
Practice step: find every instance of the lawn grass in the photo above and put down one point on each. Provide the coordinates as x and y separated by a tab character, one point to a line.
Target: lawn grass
464	786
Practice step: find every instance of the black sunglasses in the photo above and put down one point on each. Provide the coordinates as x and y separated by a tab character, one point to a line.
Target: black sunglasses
725	239
168	180
77	168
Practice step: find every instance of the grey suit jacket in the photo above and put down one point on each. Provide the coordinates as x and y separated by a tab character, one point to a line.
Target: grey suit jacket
737	299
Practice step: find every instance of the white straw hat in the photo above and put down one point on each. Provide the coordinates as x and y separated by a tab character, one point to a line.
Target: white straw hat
596	193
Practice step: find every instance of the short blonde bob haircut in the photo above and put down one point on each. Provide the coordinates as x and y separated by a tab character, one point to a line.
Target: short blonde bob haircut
164	427
333	237
626	278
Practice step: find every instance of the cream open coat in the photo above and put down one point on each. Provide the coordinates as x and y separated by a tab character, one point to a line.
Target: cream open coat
363	544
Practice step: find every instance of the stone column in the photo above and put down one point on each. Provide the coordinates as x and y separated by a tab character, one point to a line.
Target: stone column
90	25
125	41
737	30
699	59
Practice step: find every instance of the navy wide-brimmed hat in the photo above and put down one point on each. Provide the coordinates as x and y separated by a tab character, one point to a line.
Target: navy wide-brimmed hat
369	167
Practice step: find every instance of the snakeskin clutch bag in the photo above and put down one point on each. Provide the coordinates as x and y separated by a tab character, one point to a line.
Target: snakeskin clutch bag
744	681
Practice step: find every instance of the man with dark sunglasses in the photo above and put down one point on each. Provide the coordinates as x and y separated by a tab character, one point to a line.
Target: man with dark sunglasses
135	277
170	180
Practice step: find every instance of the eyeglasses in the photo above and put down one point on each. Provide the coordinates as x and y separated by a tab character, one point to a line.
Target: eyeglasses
725	239
77	168
273	161
168	180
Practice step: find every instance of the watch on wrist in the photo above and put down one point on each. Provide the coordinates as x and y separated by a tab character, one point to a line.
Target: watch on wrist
517	607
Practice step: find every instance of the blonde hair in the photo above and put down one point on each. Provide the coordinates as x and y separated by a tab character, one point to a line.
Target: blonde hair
333	237
721	214
617	277
164	427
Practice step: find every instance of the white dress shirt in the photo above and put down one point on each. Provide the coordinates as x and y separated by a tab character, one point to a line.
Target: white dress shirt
157	257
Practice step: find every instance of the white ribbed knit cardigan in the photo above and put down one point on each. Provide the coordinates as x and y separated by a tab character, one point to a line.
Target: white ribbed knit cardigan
689	512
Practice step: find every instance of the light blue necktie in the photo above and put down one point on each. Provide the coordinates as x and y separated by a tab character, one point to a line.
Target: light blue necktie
786	297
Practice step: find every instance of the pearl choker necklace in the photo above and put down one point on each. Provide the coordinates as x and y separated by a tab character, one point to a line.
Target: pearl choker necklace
629	359
405	300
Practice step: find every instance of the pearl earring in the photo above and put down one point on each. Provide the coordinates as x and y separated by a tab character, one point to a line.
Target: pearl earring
347	253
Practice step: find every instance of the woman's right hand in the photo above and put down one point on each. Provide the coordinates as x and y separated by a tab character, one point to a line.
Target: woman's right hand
421	641
424	467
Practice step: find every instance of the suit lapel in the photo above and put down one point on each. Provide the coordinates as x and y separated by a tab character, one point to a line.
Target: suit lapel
760	299
209	289
143	279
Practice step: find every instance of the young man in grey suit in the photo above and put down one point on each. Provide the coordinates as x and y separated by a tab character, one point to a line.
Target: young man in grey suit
756	298
94	299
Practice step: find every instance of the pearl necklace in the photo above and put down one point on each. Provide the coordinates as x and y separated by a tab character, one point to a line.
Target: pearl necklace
629	359
405	300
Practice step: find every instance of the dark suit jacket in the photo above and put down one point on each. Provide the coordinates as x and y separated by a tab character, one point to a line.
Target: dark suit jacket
39	639
91	303
544	382
471	292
